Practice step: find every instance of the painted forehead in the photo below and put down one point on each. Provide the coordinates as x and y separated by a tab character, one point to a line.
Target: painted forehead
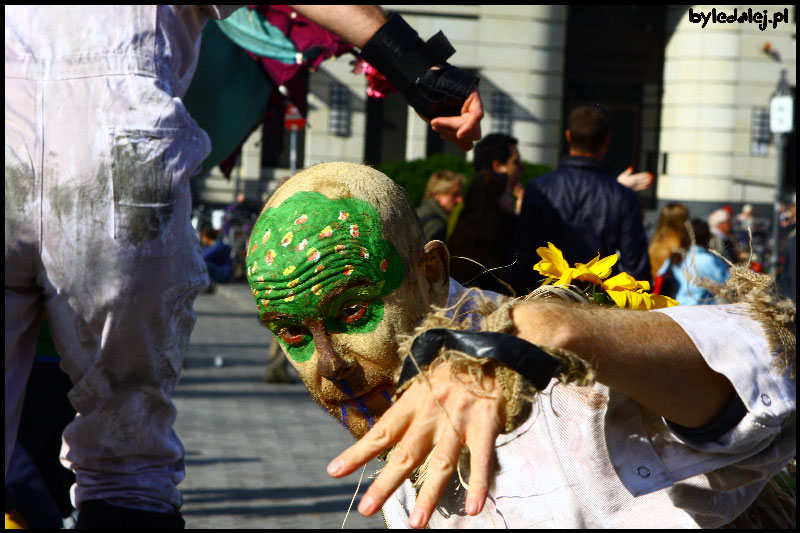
309	246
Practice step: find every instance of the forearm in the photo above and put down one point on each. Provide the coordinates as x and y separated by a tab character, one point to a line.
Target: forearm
354	24
644	355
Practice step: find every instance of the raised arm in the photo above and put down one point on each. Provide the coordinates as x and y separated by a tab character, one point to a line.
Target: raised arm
443	95
354	24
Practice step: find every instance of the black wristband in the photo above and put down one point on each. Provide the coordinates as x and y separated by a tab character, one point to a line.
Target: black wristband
728	419
398	53
533	363
441	92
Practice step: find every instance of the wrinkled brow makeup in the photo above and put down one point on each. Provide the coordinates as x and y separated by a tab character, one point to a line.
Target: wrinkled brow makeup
310	248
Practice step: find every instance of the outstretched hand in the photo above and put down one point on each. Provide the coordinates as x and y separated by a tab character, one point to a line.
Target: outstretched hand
436	416
463	130
636	182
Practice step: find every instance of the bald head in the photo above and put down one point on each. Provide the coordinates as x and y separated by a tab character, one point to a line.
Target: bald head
397	219
339	269
340	225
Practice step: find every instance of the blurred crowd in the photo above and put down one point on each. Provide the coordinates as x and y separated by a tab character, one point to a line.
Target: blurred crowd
584	208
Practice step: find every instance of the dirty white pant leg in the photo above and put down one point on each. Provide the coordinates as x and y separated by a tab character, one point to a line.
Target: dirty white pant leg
118	269
122	268
22	229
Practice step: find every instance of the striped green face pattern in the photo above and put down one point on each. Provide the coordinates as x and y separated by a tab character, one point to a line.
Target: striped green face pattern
323	258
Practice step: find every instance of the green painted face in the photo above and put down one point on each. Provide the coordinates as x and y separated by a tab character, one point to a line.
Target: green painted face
319	257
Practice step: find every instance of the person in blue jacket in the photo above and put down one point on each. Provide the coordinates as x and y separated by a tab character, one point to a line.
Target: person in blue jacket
697	264
217	256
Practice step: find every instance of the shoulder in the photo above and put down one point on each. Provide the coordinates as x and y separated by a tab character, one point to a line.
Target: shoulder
427	207
703	256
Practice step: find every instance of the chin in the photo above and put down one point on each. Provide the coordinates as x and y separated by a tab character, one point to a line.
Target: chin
360	415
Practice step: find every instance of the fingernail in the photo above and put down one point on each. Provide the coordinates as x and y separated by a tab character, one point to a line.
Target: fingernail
417	518
366	506
472	507
335	467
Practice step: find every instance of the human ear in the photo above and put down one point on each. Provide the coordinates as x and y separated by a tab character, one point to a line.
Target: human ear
435	267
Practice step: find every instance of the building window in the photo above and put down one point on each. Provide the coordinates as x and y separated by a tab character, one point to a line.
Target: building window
501	113
760	135
339	119
387	120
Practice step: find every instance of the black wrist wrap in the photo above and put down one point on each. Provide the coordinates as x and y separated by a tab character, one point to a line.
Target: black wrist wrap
528	360
399	54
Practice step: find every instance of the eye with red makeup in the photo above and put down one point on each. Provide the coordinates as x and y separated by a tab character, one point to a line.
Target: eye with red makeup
349	315
293	335
353	313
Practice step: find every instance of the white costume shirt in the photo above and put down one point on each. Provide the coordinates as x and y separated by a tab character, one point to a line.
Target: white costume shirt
589	457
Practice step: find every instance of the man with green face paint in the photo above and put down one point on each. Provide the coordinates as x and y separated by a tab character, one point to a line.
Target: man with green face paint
328	281
340	272
302	265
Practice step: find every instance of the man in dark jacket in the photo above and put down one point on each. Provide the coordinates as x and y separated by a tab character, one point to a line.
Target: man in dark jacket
580	208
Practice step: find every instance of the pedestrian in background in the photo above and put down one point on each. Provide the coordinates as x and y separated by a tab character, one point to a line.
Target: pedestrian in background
580	207
217	256
697	265
744	230
442	194
668	236
722	240
486	222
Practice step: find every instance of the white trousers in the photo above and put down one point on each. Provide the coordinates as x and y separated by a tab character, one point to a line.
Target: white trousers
98	156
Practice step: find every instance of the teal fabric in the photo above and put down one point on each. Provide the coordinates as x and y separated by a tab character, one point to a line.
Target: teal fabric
250	30
229	94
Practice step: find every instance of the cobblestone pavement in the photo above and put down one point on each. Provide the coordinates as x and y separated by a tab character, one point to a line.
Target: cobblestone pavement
255	453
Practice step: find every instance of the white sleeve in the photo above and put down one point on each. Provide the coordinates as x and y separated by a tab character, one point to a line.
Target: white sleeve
734	345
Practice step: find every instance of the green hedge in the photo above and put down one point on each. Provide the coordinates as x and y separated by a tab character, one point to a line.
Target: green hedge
413	175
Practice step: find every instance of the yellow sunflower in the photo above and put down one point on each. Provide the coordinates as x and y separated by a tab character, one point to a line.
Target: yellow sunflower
628	292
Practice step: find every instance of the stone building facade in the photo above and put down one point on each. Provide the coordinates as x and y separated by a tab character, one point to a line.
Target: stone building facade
687	99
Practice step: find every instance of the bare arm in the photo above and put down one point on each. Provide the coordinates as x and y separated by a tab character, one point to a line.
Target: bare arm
354	24
645	355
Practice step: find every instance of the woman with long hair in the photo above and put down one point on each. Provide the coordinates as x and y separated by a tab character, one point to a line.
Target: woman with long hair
483	232
669	235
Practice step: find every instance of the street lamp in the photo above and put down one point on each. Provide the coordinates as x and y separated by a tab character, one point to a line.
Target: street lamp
781	123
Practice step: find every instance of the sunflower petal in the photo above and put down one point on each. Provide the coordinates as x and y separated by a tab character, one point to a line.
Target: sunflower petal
619	297
552	264
620	282
583	273
603	267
